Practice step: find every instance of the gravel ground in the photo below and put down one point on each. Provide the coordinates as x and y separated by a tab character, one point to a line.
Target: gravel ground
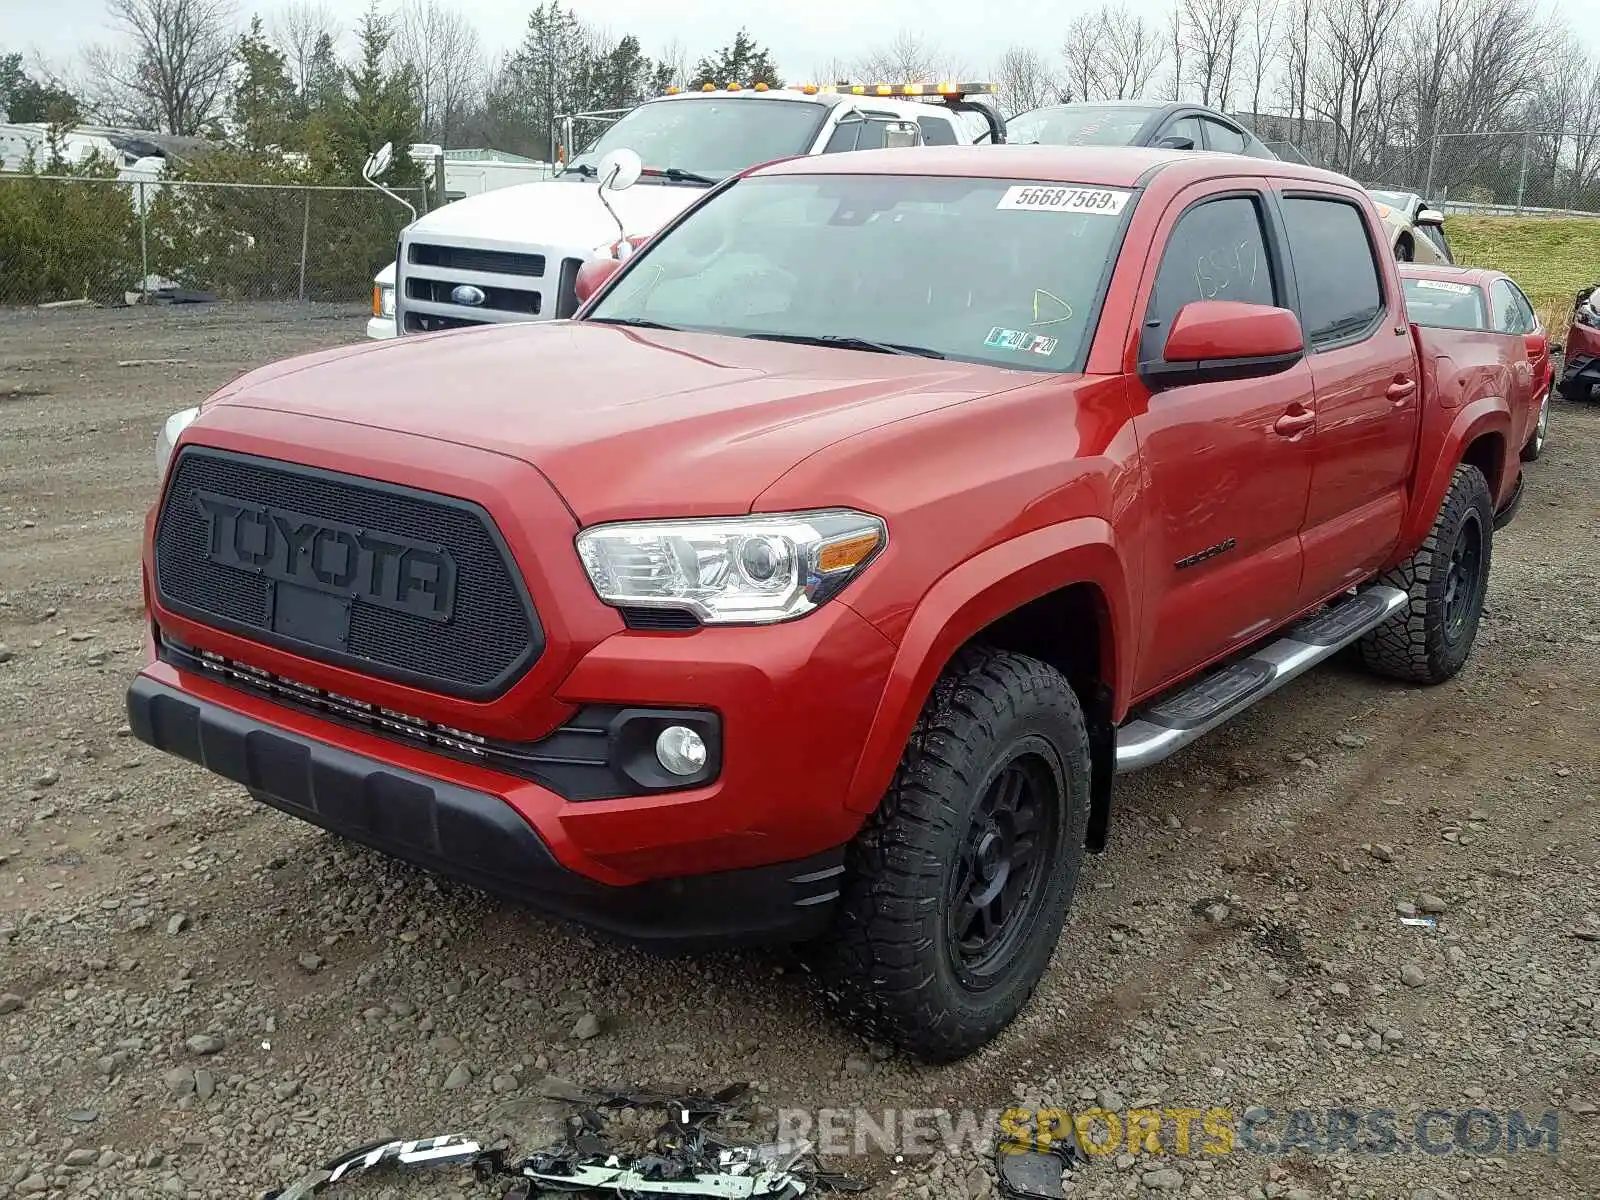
199	997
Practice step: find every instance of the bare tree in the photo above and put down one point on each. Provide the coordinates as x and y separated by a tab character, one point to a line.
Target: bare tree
1134	53
1175	32
171	68
441	46
297	29
907	58
1024	80
1084	53
1354	75
673	59
1263	53
1214	28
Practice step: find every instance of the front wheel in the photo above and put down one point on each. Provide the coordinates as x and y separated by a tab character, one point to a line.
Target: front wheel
959	884
1429	640
1404	251
1535	445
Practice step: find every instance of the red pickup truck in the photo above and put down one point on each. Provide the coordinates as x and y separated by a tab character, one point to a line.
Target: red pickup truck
816	583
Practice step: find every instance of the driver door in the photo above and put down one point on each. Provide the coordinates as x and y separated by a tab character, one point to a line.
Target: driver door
1227	465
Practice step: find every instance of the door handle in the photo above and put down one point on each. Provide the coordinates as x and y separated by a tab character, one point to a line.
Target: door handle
1295	421
1401	390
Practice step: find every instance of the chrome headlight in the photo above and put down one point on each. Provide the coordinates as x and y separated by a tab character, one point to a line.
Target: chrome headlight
731	571
168	438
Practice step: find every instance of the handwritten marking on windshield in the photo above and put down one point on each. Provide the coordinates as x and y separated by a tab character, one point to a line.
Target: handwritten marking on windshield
1050	298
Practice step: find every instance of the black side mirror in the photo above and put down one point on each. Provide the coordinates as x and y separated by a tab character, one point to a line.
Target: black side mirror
1173	142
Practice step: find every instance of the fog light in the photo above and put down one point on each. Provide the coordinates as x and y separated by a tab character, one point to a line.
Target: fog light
681	750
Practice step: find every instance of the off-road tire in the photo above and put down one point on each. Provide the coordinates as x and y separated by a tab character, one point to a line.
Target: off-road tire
1420	644
1540	436
889	967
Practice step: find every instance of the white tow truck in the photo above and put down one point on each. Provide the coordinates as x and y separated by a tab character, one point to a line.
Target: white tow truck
513	254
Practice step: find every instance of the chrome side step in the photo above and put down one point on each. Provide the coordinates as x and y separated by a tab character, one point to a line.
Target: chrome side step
1185	716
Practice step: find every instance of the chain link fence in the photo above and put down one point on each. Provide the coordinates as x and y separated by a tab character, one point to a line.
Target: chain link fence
117	241
1528	172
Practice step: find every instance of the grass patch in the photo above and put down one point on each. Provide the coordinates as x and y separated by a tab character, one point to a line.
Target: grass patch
1550	259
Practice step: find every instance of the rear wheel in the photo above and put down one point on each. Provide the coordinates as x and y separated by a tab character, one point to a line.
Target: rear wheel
1429	640
1535	445
958	886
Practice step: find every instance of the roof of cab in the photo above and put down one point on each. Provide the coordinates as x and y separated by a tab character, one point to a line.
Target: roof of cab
1096	166
1453	274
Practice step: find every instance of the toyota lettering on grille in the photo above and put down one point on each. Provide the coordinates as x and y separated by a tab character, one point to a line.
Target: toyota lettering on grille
383	569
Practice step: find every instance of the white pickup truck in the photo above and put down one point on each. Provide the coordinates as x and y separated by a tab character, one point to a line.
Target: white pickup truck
513	254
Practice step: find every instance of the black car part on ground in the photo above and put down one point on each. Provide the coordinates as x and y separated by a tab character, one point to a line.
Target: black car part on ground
684	1158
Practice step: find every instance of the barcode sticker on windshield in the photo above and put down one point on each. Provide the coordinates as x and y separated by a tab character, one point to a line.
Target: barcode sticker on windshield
1099	202
1441	285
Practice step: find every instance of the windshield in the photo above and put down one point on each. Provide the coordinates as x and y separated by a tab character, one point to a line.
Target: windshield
1400	200
1442	304
1077	126
711	138
984	270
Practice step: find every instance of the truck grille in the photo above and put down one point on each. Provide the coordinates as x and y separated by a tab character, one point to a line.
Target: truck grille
516	285
404	585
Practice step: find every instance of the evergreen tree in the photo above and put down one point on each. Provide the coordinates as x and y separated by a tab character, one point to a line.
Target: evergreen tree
546	78
743	61
620	78
25	99
379	106
263	103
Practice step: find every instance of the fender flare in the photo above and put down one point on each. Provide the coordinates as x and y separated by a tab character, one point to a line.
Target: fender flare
972	597
1488	414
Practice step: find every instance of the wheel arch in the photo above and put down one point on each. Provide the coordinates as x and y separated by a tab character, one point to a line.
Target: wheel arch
1479	434
1027	594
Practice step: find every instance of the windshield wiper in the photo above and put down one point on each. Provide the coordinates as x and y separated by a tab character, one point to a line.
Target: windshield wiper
581	169
679	175
845	342
636	323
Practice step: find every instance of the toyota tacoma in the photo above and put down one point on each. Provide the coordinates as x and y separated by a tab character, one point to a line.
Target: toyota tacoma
817	581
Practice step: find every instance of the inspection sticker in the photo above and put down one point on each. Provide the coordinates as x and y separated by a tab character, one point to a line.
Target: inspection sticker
1441	285
1021	339
1099	202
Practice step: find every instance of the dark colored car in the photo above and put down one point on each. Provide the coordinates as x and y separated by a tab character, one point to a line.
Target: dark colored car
1164	125
1580	377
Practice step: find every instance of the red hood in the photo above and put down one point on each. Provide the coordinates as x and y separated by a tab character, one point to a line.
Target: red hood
624	422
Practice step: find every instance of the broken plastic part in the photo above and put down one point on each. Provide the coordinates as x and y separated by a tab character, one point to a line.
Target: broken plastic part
683	1159
1037	1174
445	1150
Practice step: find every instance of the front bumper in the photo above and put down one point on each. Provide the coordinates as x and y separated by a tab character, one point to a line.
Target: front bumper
1580	376
473	835
380	328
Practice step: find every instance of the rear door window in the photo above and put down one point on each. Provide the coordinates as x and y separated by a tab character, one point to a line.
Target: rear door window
1221	137
936	131
1341	291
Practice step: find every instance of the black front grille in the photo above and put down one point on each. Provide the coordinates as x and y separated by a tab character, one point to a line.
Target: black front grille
439	291
432	323
458	622
463	258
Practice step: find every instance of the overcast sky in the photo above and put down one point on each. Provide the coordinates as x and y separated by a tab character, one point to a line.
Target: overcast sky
803	35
